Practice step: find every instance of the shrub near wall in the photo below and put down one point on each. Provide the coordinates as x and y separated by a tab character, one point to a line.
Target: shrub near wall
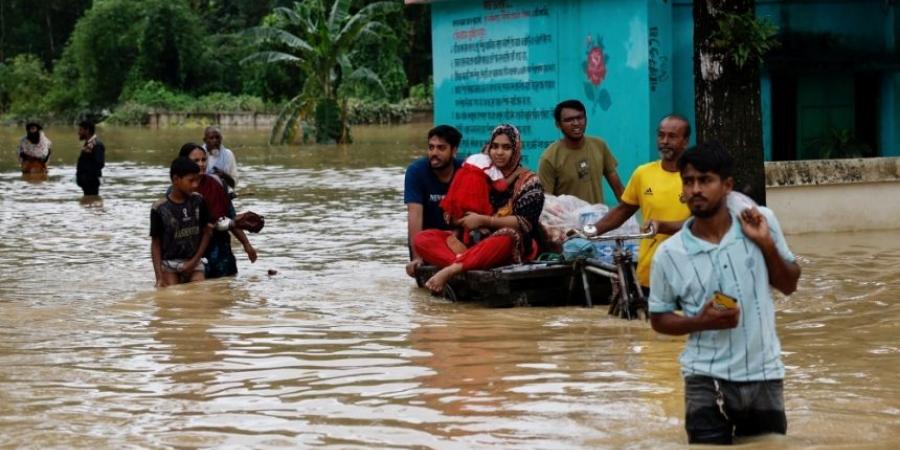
154	97
361	112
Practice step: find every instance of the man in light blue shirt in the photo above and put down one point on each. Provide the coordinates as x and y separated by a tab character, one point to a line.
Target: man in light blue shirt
732	359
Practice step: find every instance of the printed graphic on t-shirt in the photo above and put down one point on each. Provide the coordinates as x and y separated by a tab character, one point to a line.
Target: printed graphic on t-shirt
178	226
583	168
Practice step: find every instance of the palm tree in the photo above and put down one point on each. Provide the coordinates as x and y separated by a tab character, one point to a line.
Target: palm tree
320	42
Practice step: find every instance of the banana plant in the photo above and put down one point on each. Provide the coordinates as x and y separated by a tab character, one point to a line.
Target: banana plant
320	40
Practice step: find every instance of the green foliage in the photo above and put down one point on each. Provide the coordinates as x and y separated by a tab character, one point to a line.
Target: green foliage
378	112
232	16
320	41
416	52
130	113
154	94
382	53
170	45
275	82
395	82
23	84
422	93
839	143
65	97
119	44
135	57
328	121
103	49
745	37
41	27
223	101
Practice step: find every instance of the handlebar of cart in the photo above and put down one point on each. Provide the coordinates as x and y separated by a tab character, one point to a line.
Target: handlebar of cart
628	301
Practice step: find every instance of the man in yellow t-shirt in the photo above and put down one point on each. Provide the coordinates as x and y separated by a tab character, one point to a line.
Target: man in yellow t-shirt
655	188
576	164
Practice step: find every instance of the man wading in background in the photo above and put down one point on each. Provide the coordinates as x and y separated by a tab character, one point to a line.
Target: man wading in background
34	149
221	159
91	160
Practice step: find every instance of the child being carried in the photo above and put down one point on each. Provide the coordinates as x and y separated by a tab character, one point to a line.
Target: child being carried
470	193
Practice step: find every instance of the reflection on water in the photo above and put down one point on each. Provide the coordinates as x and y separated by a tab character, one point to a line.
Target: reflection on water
340	349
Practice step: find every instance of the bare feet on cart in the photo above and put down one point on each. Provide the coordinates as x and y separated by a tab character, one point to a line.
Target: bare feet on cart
437	281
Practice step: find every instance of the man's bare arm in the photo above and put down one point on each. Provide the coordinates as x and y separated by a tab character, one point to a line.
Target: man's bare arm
616	184
615	217
414	213
156	257
710	318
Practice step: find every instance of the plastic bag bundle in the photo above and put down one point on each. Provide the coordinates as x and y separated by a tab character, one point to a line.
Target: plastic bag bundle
603	250
565	212
588	215
737	202
559	216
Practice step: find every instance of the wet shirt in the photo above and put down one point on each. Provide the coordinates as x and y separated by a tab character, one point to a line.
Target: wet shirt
687	271
578	172
217	202
422	186
92	158
658	193
179	226
222	160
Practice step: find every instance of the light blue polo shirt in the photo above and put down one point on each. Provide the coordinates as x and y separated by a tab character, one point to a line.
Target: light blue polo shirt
687	271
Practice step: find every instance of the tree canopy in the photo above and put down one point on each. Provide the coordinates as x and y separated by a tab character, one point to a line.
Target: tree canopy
67	58
322	42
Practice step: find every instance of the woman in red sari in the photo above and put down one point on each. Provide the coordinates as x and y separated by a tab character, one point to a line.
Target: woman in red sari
512	228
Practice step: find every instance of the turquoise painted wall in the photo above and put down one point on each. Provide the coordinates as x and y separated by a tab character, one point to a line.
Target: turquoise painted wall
683	61
514	60
860	23
868	25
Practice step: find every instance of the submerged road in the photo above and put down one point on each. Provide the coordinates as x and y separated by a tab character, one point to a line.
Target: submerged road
340	349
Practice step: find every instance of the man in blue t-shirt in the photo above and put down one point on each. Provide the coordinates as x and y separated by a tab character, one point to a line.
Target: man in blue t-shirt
427	180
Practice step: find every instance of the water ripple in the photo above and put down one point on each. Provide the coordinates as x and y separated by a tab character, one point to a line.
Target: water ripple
339	349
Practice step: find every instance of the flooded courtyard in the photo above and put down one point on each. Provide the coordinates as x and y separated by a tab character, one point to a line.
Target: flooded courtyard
339	349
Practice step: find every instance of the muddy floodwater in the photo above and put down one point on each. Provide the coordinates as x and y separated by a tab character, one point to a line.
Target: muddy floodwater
339	349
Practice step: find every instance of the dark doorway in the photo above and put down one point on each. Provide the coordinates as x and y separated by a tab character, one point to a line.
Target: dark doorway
784	116
866	113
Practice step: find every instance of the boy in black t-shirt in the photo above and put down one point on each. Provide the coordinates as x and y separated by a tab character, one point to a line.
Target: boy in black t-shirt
180	227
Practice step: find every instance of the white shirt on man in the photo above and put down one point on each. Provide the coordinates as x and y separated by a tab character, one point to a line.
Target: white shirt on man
222	159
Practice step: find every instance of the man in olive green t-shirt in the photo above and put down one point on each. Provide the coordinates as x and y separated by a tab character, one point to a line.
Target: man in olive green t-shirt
576	164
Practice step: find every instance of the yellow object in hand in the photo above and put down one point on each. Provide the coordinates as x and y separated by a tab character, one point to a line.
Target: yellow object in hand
722	301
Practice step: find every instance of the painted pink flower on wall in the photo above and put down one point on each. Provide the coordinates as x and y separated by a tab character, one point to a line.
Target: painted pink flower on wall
595	69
